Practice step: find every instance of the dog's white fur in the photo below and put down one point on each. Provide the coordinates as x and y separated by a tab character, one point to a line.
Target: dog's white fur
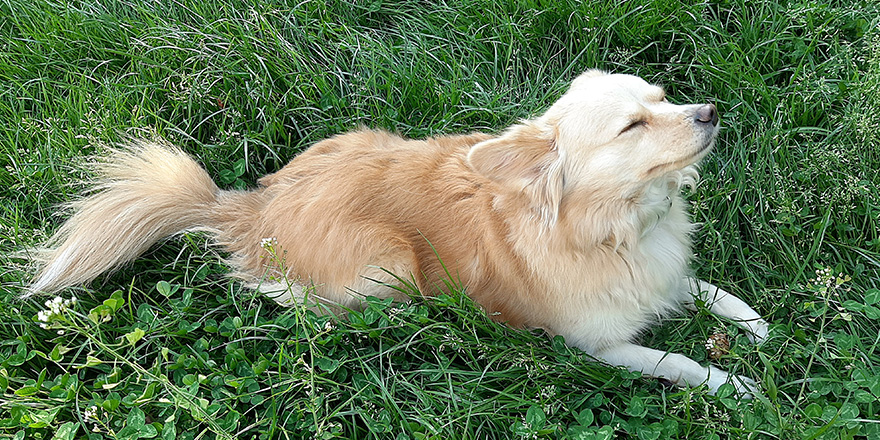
571	222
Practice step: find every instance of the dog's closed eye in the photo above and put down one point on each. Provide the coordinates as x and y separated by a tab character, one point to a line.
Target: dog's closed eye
633	125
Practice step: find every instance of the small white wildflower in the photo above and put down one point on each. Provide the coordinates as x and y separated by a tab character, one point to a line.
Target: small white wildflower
548	392
55	309
91	412
268	242
394	311
302	361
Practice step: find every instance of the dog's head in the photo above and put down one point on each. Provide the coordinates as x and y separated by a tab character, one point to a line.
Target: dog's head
609	134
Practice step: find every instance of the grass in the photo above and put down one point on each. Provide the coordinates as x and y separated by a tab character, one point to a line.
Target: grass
169	348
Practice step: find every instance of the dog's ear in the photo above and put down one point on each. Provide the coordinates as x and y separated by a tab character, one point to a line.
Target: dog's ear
525	158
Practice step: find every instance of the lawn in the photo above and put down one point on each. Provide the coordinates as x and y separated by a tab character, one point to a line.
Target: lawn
168	347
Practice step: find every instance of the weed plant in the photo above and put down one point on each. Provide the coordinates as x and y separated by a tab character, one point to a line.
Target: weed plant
169	348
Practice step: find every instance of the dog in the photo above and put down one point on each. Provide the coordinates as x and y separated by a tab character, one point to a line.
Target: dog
571	222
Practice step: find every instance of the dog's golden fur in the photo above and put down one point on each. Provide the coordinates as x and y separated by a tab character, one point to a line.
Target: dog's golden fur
571	222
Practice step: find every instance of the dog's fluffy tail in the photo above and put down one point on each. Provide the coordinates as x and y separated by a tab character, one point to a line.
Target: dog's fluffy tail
146	191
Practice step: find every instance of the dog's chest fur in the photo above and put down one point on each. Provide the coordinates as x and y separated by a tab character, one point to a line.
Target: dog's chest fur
609	293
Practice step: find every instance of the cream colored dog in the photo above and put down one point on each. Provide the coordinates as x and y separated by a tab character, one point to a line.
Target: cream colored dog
571	222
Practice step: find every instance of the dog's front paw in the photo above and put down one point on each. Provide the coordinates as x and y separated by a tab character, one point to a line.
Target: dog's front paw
745	387
757	330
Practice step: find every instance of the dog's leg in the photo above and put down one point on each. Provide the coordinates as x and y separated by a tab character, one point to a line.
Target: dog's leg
723	303
675	367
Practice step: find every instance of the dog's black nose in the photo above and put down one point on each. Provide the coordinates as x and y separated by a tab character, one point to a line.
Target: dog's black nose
707	114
